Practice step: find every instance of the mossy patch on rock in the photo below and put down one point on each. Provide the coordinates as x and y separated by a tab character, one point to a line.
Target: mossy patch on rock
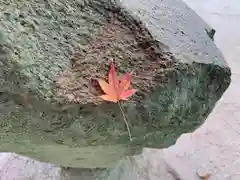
131	49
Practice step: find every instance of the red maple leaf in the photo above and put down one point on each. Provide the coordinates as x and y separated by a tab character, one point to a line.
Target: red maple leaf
205	177
116	90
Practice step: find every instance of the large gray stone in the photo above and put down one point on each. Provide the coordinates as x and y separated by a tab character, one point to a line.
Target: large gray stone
51	52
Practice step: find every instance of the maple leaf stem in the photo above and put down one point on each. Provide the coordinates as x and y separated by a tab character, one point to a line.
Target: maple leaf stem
125	120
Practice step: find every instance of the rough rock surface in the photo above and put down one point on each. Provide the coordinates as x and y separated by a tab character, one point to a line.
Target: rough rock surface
51	52
222	16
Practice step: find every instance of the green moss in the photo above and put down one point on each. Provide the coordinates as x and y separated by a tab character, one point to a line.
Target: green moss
171	110
44	36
